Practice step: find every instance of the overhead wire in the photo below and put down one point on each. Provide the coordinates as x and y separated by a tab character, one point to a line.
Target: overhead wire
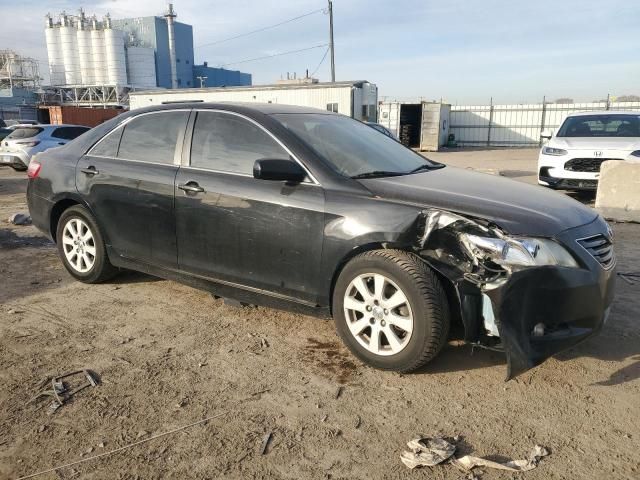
261	29
321	61
289	52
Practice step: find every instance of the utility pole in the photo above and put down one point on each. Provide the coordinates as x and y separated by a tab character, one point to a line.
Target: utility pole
171	16
202	79
331	46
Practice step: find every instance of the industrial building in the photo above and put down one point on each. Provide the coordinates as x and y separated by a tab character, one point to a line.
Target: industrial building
357	99
19	86
98	62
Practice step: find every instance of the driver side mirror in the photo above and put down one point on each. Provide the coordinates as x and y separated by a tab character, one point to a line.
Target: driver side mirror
547	134
279	170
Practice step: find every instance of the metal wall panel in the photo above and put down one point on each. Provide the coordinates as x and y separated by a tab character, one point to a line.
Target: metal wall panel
517	125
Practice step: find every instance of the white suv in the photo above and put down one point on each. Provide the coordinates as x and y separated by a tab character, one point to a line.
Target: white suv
571	159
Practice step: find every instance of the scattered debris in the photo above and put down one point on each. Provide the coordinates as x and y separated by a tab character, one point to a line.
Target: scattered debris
116	450
42	428
265	443
324	419
628	276
358	422
428	452
14	311
62	391
264	343
142	433
339	392
20	219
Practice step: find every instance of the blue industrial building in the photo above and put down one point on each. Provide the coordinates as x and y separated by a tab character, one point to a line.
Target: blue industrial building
153	32
219	77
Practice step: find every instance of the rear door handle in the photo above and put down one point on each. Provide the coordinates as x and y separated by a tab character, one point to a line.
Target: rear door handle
191	187
90	171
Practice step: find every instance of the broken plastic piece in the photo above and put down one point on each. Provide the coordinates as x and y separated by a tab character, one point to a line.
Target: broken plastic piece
469	462
427	452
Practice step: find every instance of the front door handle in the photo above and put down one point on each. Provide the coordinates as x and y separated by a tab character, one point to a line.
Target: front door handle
191	187
89	171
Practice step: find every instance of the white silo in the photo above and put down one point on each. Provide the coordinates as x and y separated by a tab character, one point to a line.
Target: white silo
98	54
54	52
69	44
85	61
116	60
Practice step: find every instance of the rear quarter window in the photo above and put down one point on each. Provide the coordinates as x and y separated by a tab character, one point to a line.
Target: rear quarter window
24	132
68	133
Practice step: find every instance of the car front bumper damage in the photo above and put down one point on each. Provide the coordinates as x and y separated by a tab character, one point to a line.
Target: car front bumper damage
531	313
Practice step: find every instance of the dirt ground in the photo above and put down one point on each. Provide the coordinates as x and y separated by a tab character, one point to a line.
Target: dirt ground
169	356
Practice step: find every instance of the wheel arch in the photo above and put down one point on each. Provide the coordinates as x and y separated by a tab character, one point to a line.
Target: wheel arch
60	206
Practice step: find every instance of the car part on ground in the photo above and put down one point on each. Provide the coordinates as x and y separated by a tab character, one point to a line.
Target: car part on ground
181	191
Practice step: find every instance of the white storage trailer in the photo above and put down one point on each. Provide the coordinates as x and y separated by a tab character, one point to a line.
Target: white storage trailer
357	99
422	125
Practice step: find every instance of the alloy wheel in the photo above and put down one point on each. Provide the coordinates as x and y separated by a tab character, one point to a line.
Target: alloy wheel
79	245
378	314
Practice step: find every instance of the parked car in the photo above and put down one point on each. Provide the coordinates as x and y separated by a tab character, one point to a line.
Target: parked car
24	141
12	123
4	132
382	129
315	212
572	158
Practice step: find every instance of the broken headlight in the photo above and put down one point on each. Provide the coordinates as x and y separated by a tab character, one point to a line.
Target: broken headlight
519	251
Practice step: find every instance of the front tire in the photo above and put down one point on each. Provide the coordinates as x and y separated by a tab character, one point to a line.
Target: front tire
391	310
81	246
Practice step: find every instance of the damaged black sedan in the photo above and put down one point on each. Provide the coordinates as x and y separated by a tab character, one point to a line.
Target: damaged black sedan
317	213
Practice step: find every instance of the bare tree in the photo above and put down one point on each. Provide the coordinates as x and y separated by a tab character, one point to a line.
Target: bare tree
628	98
564	100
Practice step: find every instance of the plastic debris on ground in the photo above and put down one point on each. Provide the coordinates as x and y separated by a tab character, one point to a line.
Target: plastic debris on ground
428	452
20	219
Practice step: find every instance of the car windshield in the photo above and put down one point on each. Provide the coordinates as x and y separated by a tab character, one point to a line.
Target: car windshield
615	125
24	132
354	149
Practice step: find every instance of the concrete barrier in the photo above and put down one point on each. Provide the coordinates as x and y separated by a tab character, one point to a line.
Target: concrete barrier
618	196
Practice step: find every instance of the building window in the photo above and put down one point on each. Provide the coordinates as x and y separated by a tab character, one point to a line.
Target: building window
179	81
177	60
332	107
188	83
187	62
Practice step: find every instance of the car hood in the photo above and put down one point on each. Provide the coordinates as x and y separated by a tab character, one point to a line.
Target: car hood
604	143
518	208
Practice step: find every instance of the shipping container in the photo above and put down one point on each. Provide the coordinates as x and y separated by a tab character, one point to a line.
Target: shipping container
356	99
422	125
70	115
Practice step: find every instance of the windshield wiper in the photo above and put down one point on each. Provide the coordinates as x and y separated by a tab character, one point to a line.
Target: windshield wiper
377	173
426	166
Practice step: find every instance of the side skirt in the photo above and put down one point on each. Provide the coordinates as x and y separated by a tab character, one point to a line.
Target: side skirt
220	288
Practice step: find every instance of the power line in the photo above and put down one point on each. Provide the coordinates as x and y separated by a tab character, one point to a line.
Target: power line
274	55
321	61
262	29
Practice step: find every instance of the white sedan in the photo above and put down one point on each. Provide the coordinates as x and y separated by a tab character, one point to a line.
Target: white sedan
572	158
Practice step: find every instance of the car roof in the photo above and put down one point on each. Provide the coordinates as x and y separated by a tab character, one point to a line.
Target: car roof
47	126
240	107
605	112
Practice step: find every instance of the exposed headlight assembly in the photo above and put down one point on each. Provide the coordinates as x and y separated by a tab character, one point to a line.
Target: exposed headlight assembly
519	251
553	151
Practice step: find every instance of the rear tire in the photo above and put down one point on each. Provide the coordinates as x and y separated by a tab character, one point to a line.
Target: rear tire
391	310
81	246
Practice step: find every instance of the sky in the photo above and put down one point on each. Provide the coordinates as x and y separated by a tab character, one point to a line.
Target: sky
463	51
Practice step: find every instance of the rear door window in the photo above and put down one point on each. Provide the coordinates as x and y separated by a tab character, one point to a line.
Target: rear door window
24	132
229	143
152	137
108	146
68	133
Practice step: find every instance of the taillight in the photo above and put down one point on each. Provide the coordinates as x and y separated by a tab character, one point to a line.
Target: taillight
34	169
32	143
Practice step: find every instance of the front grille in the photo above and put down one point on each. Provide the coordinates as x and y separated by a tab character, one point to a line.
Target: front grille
600	248
576	183
591	165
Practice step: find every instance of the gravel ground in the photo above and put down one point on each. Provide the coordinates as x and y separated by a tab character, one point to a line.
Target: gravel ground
169	355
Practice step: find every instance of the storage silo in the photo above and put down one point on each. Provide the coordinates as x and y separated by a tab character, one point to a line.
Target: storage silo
115	55
54	52
141	67
69	45
83	37
98	56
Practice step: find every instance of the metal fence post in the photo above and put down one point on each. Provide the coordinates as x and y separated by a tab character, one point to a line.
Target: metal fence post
490	123
544	118
608	101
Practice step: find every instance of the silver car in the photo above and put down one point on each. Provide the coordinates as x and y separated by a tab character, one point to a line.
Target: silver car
17	149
